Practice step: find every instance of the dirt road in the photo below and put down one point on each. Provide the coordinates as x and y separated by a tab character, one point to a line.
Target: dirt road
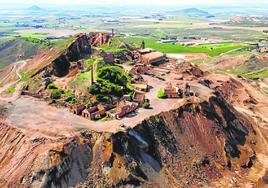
39	119
15	70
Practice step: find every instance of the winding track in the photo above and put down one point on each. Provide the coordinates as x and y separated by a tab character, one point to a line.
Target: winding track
18	66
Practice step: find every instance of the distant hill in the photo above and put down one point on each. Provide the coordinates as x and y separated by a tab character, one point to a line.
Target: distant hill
35	8
16	49
193	12
248	21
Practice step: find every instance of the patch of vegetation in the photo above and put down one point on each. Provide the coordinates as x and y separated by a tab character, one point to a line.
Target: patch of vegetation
209	49
80	81
146	104
34	85
111	80
258	74
161	94
39	42
114	46
51	86
63	43
70	97
10	89
25	76
96	61
105	119
33	35
16	49
56	93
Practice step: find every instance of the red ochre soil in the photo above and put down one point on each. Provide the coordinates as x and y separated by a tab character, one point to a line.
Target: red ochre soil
211	142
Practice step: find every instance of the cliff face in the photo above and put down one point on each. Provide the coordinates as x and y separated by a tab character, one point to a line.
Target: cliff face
182	148
192	145
78	49
57	60
41	162
98	39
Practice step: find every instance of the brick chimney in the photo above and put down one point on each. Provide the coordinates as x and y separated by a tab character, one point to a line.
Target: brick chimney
92	74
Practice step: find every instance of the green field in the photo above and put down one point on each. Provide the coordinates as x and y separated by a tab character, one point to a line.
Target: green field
32	35
209	49
10	89
257	74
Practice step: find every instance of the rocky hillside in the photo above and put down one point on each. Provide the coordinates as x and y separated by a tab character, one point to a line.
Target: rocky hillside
16	49
56	61
193	145
80	48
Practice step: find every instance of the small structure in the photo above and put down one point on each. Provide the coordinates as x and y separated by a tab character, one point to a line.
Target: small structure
139	98
169	40
262	48
77	109
153	58
141	86
87	112
122	108
100	113
172	91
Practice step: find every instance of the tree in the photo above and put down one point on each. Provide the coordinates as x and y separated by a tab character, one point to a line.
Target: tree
161	94
146	104
56	94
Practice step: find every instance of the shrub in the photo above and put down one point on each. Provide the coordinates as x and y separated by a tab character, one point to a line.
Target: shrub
10	89
113	74
102	98
111	80
51	86
161	94
70	97
146	104
56	94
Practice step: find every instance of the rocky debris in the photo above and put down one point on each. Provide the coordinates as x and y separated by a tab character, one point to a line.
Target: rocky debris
98	39
42	162
108	58
188	69
205	82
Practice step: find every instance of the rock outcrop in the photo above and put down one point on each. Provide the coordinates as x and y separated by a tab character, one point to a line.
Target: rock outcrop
41	162
80	48
98	39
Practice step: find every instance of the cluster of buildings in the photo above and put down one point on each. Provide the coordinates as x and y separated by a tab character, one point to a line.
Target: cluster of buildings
126	105
176	91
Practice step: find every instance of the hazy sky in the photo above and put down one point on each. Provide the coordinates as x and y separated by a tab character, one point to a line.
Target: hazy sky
142	2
